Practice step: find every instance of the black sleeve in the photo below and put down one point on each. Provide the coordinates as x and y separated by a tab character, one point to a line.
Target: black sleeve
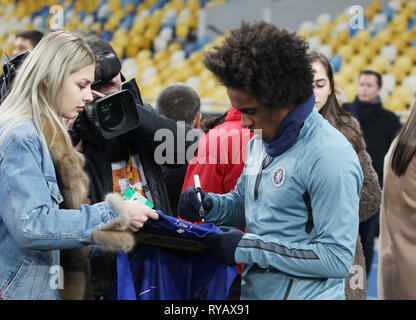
395	126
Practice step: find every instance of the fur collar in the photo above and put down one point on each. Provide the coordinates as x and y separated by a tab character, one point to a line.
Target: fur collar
74	185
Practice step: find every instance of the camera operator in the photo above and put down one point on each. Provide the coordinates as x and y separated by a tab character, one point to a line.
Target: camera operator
114	164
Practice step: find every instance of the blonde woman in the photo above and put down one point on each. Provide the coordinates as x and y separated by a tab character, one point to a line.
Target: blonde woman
397	242
43	189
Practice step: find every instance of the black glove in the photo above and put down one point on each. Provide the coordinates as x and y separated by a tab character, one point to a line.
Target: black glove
223	244
188	206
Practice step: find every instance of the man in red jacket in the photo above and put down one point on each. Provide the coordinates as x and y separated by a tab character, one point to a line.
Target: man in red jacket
221	156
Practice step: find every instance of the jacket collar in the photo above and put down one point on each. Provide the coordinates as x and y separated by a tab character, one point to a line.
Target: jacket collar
290	127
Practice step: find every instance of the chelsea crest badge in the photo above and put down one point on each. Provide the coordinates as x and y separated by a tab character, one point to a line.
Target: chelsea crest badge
278	177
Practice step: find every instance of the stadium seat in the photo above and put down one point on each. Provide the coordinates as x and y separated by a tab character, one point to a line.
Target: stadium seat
405	93
389	82
395	103
390	52
336	62
358	61
410	82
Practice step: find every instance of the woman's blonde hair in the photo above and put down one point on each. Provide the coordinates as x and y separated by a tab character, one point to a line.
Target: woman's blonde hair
36	93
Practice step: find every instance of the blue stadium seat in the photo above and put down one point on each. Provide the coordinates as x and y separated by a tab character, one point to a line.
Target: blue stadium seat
336	62
389	12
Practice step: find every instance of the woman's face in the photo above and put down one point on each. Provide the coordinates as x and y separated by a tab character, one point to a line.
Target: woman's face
321	85
77	92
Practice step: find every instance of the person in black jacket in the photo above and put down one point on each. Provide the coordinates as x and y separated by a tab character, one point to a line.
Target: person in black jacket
114	164
379	127
180	102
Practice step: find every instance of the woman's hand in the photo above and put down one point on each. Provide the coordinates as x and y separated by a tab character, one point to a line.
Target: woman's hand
139	213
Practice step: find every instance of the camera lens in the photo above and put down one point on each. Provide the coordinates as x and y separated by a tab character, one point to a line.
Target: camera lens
110	115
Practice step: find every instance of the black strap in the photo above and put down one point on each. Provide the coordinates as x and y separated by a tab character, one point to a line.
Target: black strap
309	223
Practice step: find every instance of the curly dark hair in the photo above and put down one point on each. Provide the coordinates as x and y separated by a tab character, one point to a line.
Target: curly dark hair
268	62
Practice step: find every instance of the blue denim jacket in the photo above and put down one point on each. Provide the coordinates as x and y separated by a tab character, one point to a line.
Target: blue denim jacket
32	228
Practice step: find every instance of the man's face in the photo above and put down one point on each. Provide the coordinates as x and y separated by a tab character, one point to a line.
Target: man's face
21	45
368	89
109	87
254	116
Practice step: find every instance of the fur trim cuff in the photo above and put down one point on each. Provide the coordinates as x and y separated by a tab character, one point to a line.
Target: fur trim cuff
119	205
114	235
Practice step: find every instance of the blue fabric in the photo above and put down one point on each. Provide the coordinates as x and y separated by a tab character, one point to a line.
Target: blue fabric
290	127
156	273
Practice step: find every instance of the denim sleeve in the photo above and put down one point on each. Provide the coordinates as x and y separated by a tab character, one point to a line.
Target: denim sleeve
30	208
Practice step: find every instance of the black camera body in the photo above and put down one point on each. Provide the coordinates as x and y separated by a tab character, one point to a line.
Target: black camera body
113	115
9	73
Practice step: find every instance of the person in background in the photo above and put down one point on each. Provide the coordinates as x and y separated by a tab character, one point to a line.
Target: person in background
45	208
379	127
181	103
26	41
397	242
370	197
299	242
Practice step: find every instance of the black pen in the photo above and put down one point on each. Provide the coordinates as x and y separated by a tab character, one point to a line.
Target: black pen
198	194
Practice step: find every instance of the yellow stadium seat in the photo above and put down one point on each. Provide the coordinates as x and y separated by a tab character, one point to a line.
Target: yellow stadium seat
358	61
174	46
405	93
341	80
351	91
195	57
406	36
383	37
341	18
336	42
160	55
194	5
404	62
354	43
214	3
411	7
367	51
374	67
398	72
144	54
163	64
306	34
395	103
411	53
131	51
363	35
346	51
324	31
381	62
377	4
182	30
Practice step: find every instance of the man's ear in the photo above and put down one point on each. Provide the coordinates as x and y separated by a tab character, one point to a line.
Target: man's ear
197	121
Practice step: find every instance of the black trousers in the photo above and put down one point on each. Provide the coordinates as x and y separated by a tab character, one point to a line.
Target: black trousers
369	231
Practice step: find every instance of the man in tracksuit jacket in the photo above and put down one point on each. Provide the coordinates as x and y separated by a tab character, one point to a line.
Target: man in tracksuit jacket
298	195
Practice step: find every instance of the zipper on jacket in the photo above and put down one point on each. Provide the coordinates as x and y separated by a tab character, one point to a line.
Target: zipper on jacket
264	165
289	287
